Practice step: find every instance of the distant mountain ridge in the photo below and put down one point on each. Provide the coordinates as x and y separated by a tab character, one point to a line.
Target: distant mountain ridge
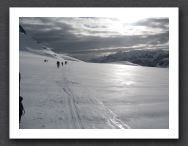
146	57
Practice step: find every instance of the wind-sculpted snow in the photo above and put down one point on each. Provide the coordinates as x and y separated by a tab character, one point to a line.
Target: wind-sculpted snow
90	95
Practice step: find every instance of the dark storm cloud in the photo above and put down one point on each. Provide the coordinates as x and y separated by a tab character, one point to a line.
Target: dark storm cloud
82	35
49	31
90	42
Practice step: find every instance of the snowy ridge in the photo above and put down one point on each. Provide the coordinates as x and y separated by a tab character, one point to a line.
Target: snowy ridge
147	57
28	44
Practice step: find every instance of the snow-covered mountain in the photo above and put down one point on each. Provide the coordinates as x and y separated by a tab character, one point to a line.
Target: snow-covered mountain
83	95
28	44
147	57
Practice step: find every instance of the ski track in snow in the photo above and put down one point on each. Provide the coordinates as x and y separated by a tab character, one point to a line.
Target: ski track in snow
111	117
72	106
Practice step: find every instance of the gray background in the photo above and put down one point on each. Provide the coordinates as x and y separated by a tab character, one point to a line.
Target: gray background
4	69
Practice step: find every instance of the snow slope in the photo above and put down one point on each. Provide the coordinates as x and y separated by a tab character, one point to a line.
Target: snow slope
124	62
28	44
91	95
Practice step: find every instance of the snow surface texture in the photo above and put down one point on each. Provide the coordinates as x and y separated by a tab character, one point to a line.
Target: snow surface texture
83	95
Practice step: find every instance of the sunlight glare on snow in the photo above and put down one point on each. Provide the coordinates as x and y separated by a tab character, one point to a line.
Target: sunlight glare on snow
122	74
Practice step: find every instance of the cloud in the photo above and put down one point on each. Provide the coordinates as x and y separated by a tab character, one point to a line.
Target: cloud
161	23
83	35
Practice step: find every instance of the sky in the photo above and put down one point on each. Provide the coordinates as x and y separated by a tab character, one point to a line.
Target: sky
90	37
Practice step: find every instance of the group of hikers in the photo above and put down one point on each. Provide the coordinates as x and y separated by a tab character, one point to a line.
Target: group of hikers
58	63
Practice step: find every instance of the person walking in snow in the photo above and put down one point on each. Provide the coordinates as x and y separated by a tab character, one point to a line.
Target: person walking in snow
21	107
57	64
65	62
62	63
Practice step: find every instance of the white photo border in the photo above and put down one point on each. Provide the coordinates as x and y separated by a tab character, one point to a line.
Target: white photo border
172	133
